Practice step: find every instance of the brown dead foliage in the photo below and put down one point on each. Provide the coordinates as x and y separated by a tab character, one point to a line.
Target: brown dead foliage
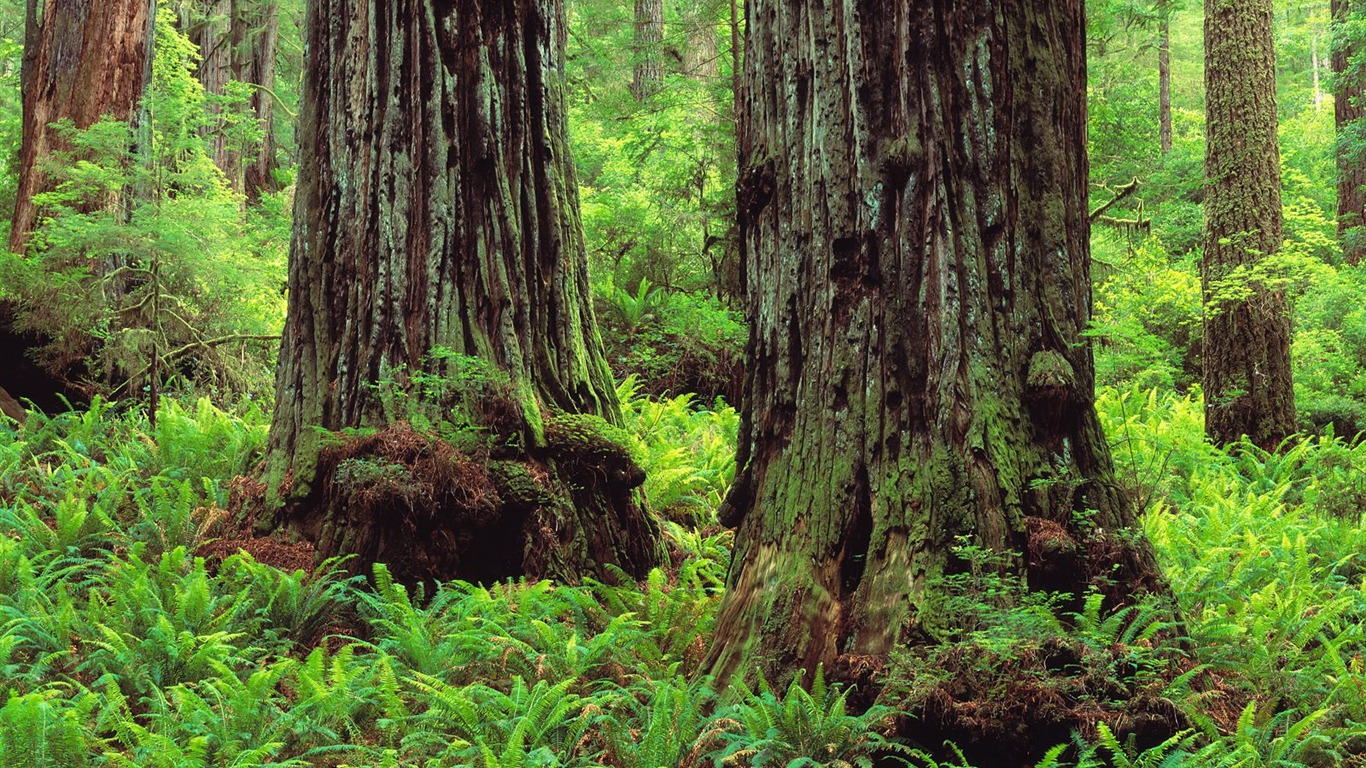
234	532
1007	708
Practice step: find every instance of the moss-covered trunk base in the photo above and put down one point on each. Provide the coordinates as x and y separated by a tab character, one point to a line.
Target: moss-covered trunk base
433	512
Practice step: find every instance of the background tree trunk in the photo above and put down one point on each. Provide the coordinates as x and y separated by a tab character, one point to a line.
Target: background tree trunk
648	67
209	25
918	272
1247	338
91	62
1164	77
437	207
256	33
702	54
1350	92
237	40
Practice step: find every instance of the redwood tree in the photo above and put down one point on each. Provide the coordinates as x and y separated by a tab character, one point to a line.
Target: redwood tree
913	202
1247	325
255	37
92	60
437	208
1349	110
208	24
1164	77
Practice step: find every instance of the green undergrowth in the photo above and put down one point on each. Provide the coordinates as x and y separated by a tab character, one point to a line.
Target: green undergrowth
688	453
121	644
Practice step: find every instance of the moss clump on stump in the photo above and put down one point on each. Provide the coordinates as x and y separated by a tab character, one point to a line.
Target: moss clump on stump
589	444
1050	376
432	511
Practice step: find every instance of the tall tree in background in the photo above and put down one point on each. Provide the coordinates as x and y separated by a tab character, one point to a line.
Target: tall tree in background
1247	377
437	208
237	41
92	60
1350	90
648	66
701	54
208	24
918	273
255	38
1164	76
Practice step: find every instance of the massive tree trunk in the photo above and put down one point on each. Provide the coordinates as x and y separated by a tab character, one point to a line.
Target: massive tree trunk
1350	87
648	67
913	198
92	61
437	208
1247	327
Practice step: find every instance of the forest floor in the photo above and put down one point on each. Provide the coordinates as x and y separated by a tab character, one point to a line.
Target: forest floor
134	631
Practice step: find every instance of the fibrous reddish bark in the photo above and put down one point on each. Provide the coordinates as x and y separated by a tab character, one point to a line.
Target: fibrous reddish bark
92	61
437	208
1348	112
1247	378
913	197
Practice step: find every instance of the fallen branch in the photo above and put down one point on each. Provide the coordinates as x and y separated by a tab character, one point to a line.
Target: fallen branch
1120	194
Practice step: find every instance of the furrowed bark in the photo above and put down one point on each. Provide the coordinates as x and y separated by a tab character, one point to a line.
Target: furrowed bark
914	222
437	207
1247	378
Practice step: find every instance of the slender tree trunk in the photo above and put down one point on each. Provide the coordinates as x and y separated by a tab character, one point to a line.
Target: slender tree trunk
917	263
648	69
437	208
256	33
1314	65
1247	338
1348	112
1164	78
91	62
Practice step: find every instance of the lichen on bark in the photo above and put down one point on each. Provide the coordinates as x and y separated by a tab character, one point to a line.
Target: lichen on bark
914	225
